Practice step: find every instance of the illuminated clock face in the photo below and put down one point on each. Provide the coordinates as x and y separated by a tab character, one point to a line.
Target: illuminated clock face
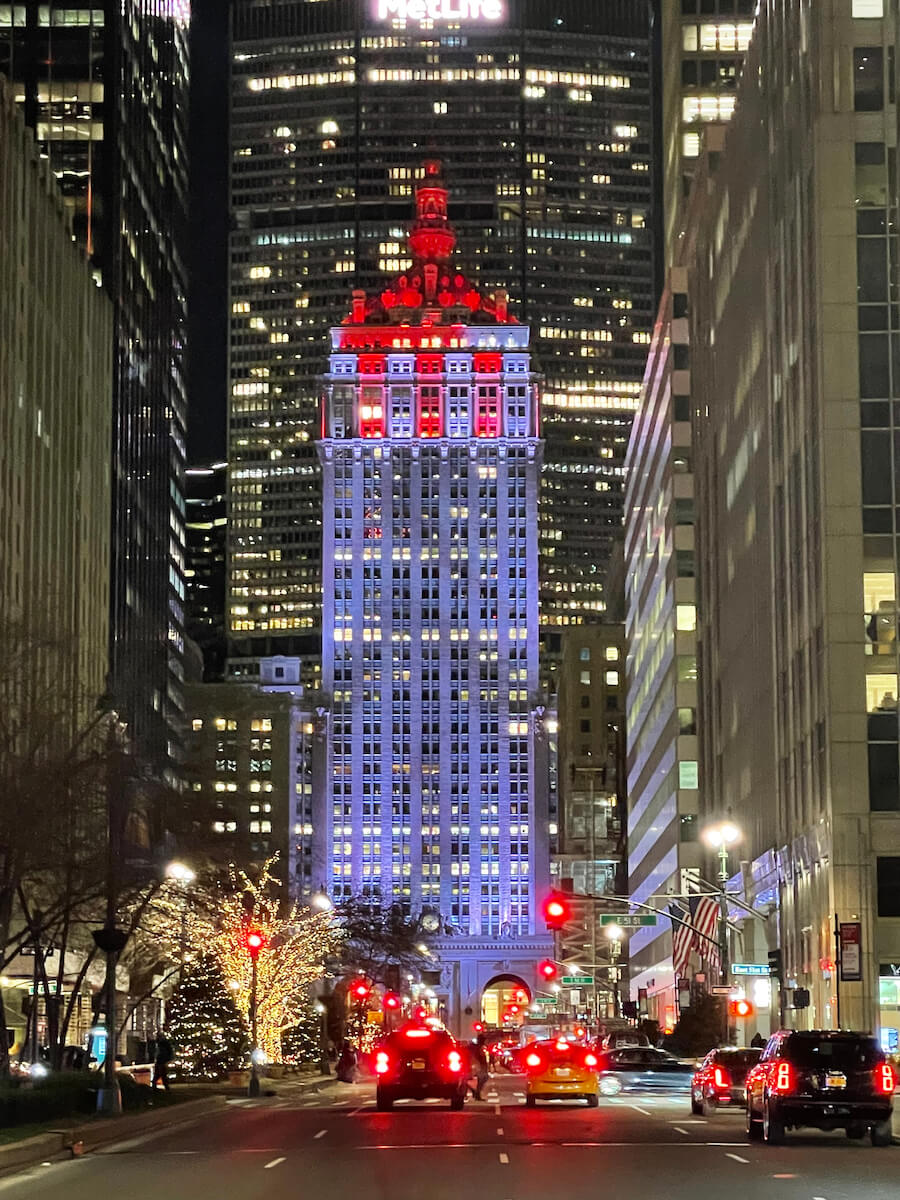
431	922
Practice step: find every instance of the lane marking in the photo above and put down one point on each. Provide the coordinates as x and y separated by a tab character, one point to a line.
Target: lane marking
678	1129
737	1158
497	1109
500	1130
637	1108
504	1158
320	1134
273	1163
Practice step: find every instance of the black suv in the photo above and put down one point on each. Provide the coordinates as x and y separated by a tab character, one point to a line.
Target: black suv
419	1061
827	1079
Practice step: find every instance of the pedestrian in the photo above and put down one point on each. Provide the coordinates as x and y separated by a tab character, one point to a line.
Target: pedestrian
163	1056
479	1068
757	1041
346	1063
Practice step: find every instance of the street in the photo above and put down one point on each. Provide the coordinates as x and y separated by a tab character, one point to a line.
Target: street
334	1144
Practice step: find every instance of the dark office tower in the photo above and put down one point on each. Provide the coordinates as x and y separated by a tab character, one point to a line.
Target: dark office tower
205	526
541	114
105	89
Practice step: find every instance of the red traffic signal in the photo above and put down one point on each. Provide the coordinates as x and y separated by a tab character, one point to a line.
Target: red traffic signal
255	940
740	1008
547	969
359	989
391	1000
556	912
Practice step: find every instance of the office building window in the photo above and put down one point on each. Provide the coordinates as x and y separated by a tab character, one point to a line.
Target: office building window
868	79
888	886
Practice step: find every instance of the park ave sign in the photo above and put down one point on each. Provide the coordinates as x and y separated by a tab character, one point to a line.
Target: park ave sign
445	11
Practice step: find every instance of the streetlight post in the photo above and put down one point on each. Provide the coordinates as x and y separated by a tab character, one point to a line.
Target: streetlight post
324	1065
720	837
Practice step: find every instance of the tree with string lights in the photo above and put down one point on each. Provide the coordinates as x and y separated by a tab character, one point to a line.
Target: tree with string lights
208	1033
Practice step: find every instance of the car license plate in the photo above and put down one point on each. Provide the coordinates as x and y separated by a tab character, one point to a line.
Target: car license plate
561	1072
418	1064
835	1080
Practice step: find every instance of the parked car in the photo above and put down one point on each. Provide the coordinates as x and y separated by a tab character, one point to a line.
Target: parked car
417	1062
826	1079
640	1069
720	1080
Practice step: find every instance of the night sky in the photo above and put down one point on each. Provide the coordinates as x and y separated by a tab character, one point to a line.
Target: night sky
208	248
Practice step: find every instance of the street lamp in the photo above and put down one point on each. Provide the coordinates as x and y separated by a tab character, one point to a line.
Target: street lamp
321	902
614	934
720	837
179	872
321	1009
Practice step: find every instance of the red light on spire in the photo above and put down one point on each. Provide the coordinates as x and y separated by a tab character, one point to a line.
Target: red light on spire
432	237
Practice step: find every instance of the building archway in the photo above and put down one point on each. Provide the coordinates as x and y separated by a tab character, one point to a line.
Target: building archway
501	994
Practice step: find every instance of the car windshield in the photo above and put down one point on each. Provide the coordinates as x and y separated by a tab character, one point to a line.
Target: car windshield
738	1058
842	1054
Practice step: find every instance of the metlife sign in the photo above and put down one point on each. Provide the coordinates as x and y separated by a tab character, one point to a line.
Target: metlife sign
443	12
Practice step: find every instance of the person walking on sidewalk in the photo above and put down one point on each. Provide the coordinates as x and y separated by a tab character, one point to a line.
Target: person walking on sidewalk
164	1055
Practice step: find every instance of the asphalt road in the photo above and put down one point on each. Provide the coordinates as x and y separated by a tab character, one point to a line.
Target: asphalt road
334	1146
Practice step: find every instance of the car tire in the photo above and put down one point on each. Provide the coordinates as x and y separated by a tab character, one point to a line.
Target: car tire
753	1126
882	1133
696	1105
384	1101
457	1101
708	1107
610	1086
856	1130
593	1101
530	1101
773	1129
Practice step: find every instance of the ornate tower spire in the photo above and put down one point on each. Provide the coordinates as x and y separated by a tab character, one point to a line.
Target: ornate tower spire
432	238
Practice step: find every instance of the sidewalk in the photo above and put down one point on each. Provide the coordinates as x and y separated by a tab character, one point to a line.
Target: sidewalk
76	1139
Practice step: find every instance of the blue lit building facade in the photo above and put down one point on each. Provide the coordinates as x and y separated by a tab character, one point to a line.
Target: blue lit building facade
436	791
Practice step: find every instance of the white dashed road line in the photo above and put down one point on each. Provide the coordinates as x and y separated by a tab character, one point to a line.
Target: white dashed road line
504	1158
645	1111
500	1130
273	1163
678	1129
737	1157
320	1134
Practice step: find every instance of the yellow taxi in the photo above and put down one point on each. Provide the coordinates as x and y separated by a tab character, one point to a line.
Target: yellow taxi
560	1069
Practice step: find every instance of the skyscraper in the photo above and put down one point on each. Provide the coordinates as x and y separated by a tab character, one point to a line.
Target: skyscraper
431	454
104	87
541	114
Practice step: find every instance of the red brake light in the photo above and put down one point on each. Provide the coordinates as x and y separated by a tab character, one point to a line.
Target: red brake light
885	1079
382	1063
454	1061
783	1077
562	1045
590	1060
533	1060
418	1033
720	1078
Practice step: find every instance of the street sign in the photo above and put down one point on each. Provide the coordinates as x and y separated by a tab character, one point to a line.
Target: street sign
577	980
53	985
720	989
629	920
761	969
545	1000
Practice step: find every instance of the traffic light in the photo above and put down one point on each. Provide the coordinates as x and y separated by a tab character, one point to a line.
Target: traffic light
391	1000
775	963
741	1008
359	990
255	941
556	911
547	970
477	1027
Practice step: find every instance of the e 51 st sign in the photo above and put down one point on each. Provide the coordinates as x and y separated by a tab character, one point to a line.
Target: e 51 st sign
445	12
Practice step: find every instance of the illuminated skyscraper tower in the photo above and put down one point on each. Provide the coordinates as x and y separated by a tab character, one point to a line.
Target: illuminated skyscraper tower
431	454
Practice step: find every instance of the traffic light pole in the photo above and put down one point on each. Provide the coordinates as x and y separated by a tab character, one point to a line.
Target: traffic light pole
253	1086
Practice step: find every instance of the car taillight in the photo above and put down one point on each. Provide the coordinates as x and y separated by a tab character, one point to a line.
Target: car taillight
784	1077
590	1060
533	1061
885	1079
382	1063
720	1078
454	1061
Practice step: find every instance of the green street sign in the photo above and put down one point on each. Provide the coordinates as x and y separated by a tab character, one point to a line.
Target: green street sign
578	980
629	920
545	1000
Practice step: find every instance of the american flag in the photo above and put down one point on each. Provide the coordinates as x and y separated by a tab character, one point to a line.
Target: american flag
705	918
682	939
